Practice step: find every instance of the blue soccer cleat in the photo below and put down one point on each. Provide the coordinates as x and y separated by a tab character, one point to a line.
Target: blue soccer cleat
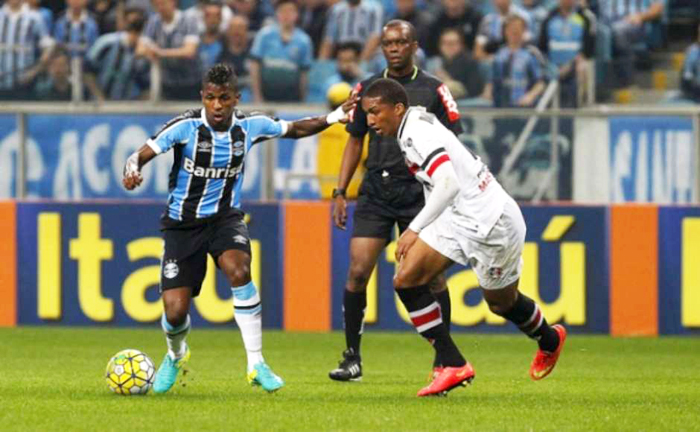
262	375
168	370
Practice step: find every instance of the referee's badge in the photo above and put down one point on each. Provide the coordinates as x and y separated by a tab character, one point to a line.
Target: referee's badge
171	269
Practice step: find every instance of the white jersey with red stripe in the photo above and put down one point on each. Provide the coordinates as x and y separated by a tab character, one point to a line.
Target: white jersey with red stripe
426	144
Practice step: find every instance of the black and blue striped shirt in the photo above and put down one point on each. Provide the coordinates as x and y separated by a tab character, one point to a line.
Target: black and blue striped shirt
207	173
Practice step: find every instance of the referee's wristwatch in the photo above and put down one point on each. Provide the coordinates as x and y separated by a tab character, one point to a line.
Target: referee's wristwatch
337	193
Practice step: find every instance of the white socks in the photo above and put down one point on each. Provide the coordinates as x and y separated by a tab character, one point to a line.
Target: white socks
175	337
248	314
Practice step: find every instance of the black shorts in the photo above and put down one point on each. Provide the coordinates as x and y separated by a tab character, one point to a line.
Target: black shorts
184	262
384	202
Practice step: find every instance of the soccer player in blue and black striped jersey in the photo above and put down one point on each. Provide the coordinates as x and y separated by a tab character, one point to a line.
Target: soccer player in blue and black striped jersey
203	214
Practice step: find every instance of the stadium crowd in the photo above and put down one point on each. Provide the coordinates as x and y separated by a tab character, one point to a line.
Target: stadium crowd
489	52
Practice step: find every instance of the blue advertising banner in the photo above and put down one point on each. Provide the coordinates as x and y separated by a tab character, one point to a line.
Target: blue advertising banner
679	270
566	270
652	159
77	157
9	141
86	264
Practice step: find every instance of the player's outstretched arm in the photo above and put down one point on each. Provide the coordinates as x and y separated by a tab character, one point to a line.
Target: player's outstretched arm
311	126
132	169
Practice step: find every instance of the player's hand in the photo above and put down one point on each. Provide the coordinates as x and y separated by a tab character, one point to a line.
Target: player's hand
132	181
340	211
405	243
348	106
132	175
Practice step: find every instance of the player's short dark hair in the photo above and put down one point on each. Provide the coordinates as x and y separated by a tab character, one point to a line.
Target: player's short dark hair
389	91
221	74
412	34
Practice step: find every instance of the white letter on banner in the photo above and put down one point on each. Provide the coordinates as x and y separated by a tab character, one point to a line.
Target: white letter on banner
68	168
622	165
162	166
660	186
35	165
8	149
130	139
96	138
305	161
641	184
252	167
683	168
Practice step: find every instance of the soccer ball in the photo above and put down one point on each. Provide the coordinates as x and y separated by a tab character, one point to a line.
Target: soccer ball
130	372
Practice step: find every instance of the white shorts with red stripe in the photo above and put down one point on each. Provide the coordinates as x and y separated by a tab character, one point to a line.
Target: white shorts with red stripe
496	259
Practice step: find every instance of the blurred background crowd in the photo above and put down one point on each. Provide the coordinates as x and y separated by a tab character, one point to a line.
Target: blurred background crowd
500	53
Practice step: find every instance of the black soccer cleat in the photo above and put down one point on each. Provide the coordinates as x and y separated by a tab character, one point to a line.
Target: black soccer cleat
349	369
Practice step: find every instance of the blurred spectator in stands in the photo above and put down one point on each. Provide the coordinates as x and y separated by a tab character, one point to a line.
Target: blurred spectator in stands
690	74
331	144
171	40
281	57
56	86
456	67
25	49
237	49
453	14
566	40
517	79
313	15
256	11
46	13
347	60
407	10
114	72
358	21
76	30
197	12
538	13
211	43
491	35
626	19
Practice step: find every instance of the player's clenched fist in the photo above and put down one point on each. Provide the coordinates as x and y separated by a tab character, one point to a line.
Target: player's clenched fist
132	175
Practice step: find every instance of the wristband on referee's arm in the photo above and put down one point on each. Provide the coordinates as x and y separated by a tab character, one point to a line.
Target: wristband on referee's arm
338	192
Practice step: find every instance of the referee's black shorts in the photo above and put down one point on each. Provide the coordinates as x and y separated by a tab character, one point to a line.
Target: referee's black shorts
187	244
384	202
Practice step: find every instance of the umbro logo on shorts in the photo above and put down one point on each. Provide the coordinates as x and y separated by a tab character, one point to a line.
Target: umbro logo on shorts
240	239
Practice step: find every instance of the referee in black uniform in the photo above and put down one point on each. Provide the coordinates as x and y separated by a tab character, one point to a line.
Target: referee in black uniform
389	194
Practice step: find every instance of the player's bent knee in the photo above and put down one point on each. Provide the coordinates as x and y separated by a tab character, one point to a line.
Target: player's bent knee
239	276
176	315
358	277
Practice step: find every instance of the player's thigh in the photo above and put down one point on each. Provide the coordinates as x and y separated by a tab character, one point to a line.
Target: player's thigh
420	266
364	253
497	260
230	247
184	261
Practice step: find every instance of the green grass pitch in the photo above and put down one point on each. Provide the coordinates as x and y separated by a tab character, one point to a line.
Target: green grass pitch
52	379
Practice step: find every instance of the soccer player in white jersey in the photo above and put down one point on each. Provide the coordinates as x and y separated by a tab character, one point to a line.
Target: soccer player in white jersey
203	215
468	218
